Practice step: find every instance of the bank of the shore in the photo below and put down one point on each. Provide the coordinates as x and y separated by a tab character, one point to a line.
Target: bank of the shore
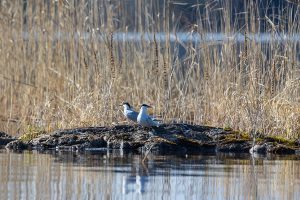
167	139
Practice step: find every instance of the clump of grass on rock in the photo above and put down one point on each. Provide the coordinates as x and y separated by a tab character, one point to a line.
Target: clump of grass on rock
31	133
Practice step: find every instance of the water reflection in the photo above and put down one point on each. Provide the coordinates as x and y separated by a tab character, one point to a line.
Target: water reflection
134	184
123	175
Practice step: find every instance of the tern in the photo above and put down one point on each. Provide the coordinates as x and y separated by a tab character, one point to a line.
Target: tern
144	119
129	112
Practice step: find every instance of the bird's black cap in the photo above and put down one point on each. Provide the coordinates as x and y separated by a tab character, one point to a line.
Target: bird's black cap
146	106
126	103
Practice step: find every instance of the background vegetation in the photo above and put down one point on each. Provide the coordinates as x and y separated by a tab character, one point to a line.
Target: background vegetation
61	67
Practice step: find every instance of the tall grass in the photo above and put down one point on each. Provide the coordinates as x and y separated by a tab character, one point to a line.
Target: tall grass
56	77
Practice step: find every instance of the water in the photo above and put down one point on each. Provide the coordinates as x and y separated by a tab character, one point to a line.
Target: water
119	175
178	37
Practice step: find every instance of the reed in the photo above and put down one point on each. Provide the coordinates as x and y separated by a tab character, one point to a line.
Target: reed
60	65
112	59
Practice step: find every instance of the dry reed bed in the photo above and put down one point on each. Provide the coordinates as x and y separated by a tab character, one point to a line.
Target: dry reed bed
68	82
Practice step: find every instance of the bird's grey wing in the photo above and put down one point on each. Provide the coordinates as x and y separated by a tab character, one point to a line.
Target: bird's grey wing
156	119
151	122
132	115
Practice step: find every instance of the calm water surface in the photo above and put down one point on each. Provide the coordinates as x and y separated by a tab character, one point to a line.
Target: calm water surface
117	175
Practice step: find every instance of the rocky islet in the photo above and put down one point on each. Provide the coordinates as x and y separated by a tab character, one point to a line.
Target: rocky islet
175	138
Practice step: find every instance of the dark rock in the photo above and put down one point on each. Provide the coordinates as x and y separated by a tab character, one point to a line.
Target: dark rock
279	149
197	136
97	142
124	128
4	135
216	133
16	145
69	140
195	146
272	147
234	146
133	145
51	142
5	141
161	146
78	131
5	138
44	142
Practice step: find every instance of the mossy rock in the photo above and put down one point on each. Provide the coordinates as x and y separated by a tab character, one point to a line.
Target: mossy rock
280	140
235	137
